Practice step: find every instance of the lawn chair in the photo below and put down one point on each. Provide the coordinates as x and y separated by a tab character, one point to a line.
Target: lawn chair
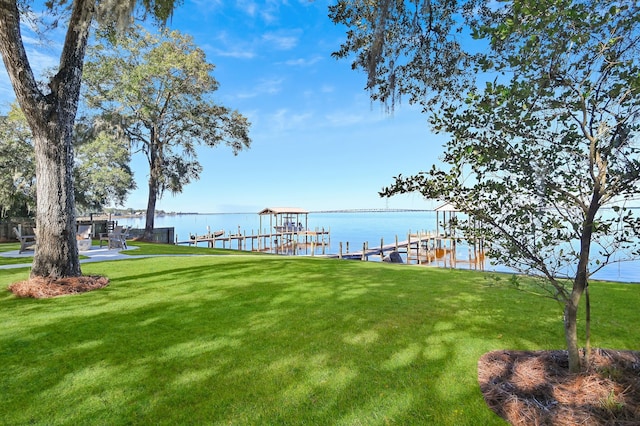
118	238
26	241
84	237
104	236
125	235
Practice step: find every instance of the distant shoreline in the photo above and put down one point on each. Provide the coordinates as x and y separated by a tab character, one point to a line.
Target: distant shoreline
334	211
113	216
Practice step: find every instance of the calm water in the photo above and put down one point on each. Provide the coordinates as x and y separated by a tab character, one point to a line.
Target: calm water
354	228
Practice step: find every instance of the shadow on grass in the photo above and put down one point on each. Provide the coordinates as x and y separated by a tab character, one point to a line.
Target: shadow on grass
262	341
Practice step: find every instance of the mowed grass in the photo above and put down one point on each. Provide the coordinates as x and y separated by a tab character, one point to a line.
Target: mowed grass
269	340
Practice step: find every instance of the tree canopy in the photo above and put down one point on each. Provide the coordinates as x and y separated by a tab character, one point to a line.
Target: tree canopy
102	173
17	181
157	89
408	49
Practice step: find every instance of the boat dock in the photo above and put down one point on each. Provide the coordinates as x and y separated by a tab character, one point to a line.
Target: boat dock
288	233
414	244
285	234
263	241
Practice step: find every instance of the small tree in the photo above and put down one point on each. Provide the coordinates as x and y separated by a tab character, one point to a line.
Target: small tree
542	148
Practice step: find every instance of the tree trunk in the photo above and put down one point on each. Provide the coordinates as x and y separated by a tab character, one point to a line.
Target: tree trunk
56	255
151	210
571	334
579	286
587	326
155	172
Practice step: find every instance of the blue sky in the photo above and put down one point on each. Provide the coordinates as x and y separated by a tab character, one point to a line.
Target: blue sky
317	140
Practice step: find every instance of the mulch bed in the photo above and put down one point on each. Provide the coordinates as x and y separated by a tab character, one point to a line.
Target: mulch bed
43	288
536	388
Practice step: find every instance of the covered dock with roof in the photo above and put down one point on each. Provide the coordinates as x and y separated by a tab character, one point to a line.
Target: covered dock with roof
285	219
289	227
282	230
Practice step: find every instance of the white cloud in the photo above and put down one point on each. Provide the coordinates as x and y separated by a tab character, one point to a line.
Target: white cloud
317	91
280	41
302	62
283	119
248	7
235	53
341	119
226	47
267	11
347	117
208	5
264	87
41	61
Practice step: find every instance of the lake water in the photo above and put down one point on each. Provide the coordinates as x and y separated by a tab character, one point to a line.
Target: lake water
354	228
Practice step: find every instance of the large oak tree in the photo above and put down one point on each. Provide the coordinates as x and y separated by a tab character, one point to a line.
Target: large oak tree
50	110
157	90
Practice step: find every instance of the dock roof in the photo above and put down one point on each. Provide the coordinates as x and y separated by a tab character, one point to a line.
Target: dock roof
283	210
446	207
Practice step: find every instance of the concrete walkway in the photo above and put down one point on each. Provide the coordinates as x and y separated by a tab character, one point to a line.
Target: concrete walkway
95	254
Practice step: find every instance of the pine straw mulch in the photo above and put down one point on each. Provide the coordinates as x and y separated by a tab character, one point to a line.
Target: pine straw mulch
536	388
43	288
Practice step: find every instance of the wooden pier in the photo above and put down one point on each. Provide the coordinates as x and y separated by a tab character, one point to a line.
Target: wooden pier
414	243
288	233
422	248
264	241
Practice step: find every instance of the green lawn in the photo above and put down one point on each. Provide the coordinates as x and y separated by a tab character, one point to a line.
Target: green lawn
13	260
17	260
268	340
